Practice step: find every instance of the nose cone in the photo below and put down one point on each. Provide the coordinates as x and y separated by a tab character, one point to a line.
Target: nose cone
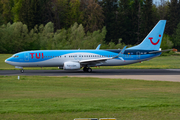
7	61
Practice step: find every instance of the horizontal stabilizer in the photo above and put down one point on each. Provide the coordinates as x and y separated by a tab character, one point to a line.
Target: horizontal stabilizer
159	51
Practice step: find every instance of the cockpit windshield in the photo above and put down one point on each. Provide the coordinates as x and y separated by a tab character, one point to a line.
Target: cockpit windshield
15	56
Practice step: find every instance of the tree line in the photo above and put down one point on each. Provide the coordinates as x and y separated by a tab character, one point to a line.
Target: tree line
73	24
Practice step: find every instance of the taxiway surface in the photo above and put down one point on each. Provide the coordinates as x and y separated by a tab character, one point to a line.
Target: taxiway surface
141	74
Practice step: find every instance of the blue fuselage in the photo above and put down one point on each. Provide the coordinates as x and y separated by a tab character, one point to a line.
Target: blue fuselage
57	58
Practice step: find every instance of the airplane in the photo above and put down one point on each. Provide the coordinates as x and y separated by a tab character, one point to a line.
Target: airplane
77	59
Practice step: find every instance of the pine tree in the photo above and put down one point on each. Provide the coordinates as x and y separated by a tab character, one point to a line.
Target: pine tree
147	18
6	7
110	10
74	13
93	18
58	13
173	17
176	37
30	12
124	24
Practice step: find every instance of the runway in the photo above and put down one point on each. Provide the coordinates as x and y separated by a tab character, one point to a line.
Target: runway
140	74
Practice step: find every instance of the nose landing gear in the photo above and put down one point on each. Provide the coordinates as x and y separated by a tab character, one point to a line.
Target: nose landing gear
22	71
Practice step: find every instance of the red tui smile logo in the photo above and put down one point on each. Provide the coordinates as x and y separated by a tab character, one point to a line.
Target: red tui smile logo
150	38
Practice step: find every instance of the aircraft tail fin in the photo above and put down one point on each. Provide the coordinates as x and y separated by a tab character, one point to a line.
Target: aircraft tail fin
153	39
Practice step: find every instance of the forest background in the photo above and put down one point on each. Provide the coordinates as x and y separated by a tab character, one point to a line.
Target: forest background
74	24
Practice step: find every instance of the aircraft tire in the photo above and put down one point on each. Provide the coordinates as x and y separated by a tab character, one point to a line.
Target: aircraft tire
22	71
89	70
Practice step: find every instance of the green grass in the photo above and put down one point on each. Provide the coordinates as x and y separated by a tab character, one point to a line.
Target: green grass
64	98
162	62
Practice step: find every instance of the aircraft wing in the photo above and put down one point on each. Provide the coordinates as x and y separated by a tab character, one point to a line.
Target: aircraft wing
94	60
160	51
103	59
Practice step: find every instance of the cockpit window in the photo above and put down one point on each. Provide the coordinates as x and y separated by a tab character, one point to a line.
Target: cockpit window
15	56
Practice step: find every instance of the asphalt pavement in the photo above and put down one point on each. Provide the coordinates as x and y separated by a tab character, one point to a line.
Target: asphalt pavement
142	74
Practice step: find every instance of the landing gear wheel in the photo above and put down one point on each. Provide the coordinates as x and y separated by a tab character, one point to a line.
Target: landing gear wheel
22	71
89	70
85	69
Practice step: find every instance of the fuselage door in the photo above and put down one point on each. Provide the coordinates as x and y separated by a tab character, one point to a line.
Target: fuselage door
26	57
138	55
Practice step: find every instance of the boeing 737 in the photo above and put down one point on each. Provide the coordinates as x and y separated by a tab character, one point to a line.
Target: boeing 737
77	59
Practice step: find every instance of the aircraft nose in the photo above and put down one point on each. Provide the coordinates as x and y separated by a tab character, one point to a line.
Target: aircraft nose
7	61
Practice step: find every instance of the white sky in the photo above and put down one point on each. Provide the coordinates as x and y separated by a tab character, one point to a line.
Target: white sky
158	1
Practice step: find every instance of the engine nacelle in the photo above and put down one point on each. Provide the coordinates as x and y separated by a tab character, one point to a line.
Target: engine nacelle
71	66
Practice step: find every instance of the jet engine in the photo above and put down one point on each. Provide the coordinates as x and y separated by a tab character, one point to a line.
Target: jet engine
71	66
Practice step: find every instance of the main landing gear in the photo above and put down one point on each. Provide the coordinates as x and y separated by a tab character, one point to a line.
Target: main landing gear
85	69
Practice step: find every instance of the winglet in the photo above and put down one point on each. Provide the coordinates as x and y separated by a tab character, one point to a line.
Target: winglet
121	53
98	47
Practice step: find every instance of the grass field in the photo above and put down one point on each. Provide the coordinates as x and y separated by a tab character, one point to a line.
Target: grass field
162	62
64	98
